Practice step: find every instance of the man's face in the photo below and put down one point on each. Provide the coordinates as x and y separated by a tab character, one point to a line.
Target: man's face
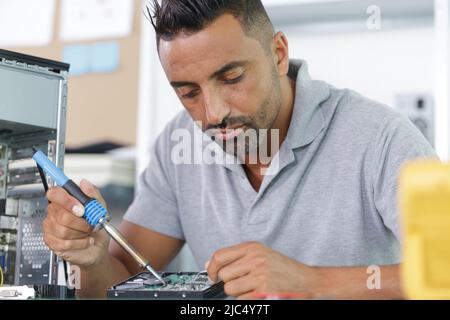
226	81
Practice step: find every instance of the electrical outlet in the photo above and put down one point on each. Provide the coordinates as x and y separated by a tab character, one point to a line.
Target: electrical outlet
419	108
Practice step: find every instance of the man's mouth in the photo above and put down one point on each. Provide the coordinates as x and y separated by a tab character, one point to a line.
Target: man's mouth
229	133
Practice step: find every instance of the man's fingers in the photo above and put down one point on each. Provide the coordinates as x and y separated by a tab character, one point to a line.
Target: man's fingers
248	296
236	269
228	255
60	196
241	286
60	245
92	191
222	258
60	231
66	219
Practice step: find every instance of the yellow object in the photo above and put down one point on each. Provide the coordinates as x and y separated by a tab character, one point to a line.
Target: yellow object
424	192
1	277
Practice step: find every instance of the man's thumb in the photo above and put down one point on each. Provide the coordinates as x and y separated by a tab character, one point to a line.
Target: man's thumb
92	191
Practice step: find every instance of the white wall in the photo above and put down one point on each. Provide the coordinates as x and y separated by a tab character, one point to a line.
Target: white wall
378	64
157	100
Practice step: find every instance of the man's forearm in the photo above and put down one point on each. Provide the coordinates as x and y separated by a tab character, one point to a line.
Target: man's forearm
361	283
95	280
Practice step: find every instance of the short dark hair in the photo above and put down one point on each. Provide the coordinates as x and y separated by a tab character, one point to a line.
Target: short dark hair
172	17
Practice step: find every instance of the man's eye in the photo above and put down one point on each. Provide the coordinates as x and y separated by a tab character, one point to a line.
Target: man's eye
234	80
191	94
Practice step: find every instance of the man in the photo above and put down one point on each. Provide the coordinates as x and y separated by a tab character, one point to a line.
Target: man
310	220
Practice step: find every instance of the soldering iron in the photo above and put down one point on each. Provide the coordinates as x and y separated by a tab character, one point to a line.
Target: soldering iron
94	213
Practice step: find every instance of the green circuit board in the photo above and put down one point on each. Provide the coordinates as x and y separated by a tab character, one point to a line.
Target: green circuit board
179	282
178	285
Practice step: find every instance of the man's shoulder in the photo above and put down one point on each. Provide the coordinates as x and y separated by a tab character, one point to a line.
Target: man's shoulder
355	104
358	112
181	122
364	119
179	141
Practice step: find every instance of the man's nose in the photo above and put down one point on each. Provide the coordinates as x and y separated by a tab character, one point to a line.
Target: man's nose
215	108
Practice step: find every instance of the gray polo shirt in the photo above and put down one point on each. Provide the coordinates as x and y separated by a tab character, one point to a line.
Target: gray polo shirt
331	200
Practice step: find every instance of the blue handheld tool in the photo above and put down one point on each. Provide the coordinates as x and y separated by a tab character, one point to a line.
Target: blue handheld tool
94	213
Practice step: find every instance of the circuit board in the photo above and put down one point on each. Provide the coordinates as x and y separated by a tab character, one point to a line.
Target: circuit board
179	285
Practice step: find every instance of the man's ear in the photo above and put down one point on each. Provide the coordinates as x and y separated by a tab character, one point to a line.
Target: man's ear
280	52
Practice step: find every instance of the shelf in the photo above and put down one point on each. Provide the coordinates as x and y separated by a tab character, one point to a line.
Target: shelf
308	12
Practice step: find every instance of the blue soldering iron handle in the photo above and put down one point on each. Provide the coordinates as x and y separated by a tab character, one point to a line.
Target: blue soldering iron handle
94	212
60	178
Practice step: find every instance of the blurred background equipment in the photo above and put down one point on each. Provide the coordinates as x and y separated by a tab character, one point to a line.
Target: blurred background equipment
33	97
425	207
17	293
419	108
100	39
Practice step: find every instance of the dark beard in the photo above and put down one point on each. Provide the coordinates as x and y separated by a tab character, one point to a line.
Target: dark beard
263	119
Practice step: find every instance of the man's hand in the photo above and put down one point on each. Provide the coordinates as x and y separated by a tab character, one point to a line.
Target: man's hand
251	268
69	235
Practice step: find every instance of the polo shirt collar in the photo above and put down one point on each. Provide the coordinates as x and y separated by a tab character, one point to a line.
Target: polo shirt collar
307	119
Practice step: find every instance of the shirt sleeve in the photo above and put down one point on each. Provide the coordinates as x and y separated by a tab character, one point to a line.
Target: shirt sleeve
155	204
398	141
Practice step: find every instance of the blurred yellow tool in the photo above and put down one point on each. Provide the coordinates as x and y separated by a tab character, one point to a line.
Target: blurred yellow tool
424	192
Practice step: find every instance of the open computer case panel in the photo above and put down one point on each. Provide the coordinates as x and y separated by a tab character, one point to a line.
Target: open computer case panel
33	98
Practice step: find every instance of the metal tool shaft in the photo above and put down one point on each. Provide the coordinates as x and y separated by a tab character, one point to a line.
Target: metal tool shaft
117	236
